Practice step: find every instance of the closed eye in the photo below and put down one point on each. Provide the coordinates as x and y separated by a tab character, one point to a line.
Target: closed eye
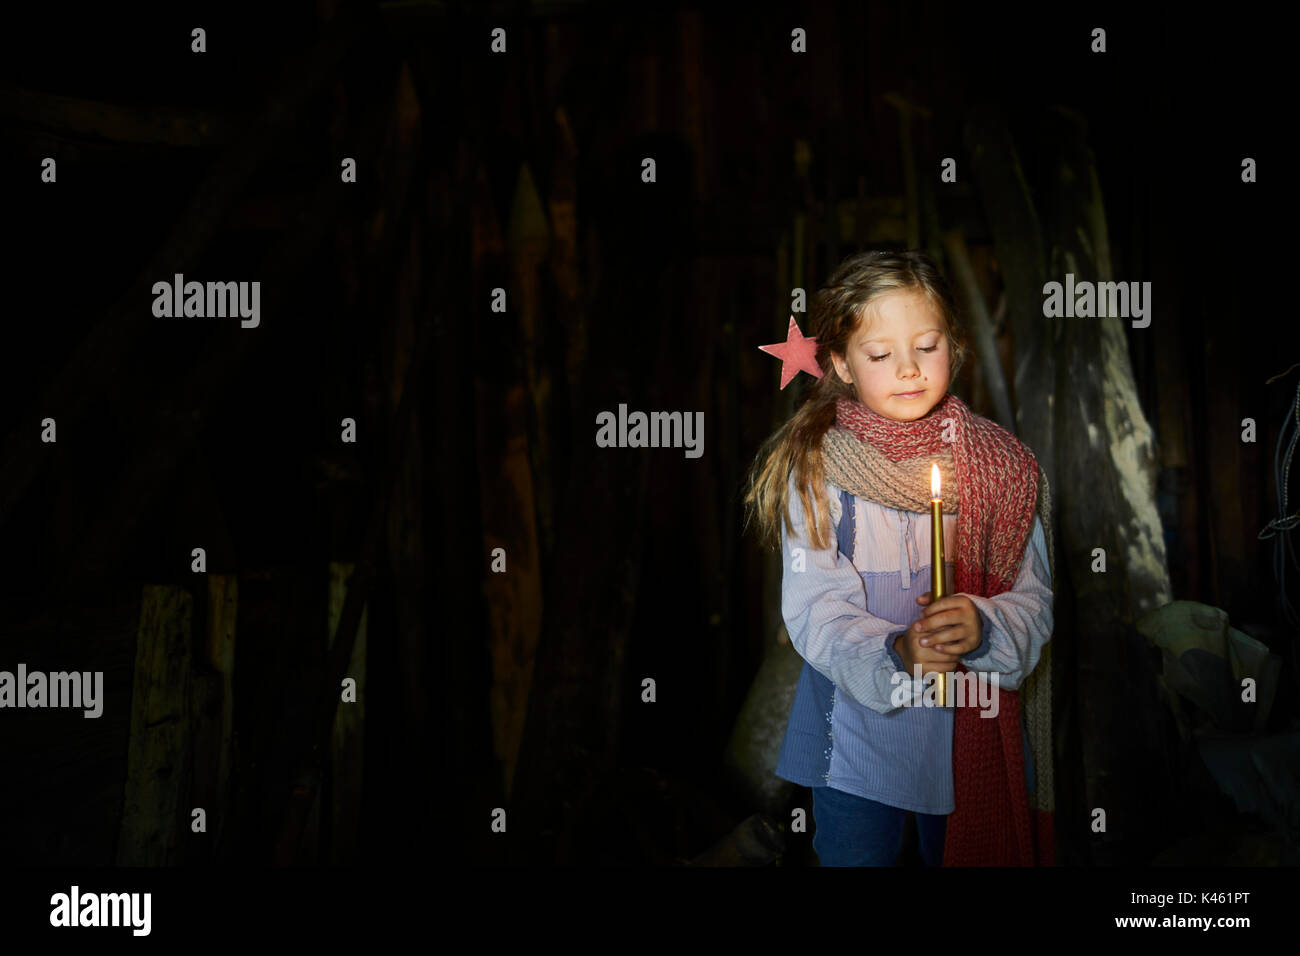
881	358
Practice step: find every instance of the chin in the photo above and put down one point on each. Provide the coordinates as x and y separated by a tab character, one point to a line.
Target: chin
909	417
905	410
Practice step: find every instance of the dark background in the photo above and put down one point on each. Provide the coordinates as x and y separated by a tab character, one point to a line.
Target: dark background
180	433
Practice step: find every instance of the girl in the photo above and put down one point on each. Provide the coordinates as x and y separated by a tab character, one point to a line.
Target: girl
845	485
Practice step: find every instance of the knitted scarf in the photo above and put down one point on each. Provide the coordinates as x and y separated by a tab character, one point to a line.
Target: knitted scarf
994	484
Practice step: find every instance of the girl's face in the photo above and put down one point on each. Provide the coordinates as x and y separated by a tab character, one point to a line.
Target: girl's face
897	360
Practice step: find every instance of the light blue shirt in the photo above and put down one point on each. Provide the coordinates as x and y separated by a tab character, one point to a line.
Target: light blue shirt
842	617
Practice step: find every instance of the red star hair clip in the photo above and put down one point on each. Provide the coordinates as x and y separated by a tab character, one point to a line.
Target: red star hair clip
797	354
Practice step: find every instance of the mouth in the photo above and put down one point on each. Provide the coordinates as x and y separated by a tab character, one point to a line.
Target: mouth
917	394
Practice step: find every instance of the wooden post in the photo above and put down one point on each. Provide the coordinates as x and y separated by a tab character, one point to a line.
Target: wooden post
529	242
1018	237
214	711
154	806
346	760
514	596
405	520
912	211
507	503
1106	499
562	203
963	274
693	104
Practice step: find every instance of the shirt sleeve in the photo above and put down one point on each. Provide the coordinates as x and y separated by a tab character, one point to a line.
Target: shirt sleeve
1017	623
824	605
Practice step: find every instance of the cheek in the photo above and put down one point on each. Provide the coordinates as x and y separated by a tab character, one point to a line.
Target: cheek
869	371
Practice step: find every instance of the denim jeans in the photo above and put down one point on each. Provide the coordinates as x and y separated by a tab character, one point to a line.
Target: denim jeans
855	831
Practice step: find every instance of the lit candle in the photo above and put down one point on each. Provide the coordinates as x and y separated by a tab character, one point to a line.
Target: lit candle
937	588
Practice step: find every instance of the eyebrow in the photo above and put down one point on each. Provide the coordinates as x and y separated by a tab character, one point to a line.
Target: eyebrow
887	341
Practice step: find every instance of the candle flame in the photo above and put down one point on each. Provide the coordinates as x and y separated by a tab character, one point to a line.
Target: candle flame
934	481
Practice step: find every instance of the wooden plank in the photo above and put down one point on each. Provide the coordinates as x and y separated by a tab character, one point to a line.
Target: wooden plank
571	733
1018	238
154	826
324	709
911	192
395	221
562	203
963	274
157	125
693	104
347	744
405	519
529	240
214	712
514	597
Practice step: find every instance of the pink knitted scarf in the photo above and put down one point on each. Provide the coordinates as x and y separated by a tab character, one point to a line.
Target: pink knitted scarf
997	480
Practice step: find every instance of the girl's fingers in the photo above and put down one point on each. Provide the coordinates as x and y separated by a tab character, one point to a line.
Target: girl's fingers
937	622
960	646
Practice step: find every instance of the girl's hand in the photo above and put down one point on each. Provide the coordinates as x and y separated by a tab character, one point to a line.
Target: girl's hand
950	625
927	656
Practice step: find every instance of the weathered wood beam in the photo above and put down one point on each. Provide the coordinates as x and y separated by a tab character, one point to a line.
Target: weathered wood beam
213	678
1018	239
528	240
324	708
514	597
963	274
907	109
1105	499
157	125
348	742
157	766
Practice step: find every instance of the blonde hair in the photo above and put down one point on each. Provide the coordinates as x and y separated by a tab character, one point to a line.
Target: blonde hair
837	312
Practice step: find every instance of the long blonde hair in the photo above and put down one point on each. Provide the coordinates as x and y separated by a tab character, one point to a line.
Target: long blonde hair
838	309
